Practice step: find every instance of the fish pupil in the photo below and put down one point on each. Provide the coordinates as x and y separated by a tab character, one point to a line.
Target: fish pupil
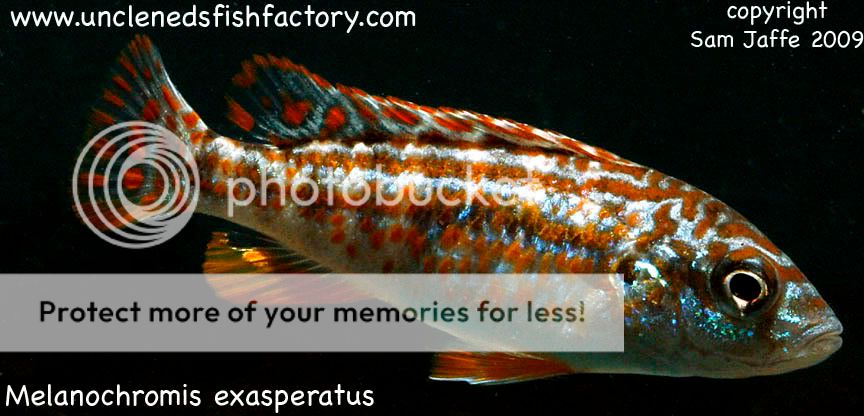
745	287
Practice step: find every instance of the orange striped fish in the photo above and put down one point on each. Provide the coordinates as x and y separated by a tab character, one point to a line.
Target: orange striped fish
707	294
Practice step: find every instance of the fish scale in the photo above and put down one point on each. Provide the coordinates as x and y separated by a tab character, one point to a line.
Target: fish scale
584	220
706	293
446	235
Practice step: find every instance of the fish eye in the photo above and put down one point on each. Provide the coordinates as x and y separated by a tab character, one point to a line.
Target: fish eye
746	288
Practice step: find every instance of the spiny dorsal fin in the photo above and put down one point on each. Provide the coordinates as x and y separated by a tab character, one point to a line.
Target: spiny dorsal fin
252	260
280	102
495	367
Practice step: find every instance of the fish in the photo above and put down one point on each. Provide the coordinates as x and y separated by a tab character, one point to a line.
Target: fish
706	293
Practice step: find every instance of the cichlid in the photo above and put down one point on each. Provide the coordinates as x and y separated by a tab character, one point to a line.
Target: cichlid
706	293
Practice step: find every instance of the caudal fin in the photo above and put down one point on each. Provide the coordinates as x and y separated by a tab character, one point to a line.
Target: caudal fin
140	90
136	165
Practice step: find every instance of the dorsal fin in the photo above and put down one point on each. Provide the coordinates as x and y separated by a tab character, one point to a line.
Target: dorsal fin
495	367
280	102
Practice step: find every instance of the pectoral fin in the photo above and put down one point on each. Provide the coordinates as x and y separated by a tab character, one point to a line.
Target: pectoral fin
238	252
249	266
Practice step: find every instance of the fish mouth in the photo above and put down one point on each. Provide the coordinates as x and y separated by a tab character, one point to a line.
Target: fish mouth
814	352
824	340
824	345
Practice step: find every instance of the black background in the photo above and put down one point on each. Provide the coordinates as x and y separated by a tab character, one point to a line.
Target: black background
774	133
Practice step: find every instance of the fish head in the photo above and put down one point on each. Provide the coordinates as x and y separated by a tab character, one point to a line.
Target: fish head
745	309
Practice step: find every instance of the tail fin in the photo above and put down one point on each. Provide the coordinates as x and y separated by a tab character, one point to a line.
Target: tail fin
140	89
140	122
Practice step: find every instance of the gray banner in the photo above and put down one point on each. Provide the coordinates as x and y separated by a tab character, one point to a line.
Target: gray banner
386	313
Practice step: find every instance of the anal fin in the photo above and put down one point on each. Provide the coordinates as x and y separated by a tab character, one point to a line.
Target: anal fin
495	367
